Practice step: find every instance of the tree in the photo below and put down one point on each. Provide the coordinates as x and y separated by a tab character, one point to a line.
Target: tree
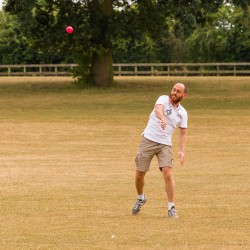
101	13
43	23
107	28
225	37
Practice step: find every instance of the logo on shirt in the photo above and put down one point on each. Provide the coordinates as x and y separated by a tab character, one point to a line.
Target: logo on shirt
169	111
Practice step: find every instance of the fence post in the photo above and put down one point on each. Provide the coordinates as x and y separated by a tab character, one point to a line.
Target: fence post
218	69
201	70
185	70
9	70
234	70
120	70
135	70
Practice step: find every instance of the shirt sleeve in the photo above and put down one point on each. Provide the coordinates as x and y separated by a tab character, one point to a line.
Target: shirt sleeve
184	120
163	100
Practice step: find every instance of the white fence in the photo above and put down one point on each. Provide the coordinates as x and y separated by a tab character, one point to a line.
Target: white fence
135	69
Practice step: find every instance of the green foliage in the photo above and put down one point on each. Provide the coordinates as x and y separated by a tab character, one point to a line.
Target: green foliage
224	38
33	31
43	24
13	45
82	72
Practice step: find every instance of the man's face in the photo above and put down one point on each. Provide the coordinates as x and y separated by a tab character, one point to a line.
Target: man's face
177	93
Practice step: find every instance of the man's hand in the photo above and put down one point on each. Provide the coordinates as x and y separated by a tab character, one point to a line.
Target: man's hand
163	123
181	156
159	114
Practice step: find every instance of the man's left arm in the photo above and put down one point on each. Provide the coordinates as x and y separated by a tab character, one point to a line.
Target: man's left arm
183	140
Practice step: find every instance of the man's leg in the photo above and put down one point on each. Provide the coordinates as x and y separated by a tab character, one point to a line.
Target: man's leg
141	198
169	183
143	159
170	190
139	181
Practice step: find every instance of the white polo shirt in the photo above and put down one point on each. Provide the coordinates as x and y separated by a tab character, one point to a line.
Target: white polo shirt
175	117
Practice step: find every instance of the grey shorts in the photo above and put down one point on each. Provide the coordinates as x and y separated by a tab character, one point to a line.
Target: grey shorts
148	149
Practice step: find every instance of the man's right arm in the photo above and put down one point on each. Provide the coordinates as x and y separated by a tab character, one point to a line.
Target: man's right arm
160	115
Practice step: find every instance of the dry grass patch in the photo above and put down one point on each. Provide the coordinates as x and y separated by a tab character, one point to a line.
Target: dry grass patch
67	167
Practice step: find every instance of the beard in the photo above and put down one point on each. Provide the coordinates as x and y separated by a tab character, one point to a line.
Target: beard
174	99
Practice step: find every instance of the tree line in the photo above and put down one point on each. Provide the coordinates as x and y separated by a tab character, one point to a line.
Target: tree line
123	31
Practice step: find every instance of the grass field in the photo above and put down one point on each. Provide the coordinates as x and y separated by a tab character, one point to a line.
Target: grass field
67	166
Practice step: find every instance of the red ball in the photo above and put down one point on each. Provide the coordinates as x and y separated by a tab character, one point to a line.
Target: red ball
69	29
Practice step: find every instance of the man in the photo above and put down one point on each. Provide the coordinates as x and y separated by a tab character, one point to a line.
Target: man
168	114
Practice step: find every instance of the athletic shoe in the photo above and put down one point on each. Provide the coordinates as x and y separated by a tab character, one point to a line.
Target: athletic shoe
137	207
172	213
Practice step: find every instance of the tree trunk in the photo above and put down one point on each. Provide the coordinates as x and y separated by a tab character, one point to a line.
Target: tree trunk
102	69
102	61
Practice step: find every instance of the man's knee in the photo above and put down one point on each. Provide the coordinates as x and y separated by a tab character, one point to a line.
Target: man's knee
140	175
167	173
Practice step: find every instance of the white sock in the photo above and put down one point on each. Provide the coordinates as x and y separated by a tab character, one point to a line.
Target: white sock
141	196
170	205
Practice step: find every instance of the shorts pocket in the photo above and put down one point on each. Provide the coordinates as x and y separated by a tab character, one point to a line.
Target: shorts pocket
143	161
